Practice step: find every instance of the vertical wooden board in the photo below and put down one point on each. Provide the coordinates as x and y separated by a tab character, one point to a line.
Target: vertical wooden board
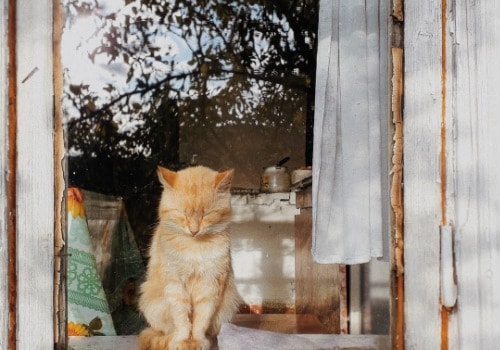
384	93
376	121
422	116
3	167
35	175
61	251
316	286
476	106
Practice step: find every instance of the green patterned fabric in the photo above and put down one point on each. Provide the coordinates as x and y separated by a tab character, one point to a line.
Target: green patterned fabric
86	298
119	262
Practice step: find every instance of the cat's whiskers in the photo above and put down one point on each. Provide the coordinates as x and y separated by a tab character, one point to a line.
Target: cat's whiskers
217	228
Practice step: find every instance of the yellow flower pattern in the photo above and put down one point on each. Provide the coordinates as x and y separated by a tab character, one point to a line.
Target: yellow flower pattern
81	329
78	329
75	202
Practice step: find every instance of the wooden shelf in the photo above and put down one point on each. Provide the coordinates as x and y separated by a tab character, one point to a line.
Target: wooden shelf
318	287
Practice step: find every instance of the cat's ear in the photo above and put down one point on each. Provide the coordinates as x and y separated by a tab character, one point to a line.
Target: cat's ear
223	180
167	177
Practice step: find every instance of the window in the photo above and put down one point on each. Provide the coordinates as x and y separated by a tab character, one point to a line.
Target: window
31	191
181	84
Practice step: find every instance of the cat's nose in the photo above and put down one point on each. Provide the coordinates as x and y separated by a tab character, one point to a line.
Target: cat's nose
194	229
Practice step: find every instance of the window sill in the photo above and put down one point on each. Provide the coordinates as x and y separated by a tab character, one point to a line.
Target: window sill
302	325
351	342
128	342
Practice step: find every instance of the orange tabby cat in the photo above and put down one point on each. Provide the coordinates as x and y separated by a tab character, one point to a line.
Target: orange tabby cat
189	289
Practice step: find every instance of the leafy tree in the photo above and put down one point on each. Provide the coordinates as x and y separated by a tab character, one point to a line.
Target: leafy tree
215	63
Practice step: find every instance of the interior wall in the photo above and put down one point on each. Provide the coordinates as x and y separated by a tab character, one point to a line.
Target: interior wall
246	148
263	250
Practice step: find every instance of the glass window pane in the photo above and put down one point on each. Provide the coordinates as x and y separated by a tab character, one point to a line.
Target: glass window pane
182	83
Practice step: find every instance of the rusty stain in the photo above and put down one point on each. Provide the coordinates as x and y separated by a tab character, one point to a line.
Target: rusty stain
11	180
398	10
445	313
397	157
344	308
445	320
396	197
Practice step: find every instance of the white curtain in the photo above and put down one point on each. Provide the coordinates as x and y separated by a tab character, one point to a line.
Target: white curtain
349	132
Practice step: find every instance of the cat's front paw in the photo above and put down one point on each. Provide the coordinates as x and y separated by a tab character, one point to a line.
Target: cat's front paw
200	344
180	345
190	344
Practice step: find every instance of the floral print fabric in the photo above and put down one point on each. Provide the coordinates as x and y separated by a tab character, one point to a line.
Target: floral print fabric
86	297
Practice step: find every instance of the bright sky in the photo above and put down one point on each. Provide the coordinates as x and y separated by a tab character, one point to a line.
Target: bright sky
80	39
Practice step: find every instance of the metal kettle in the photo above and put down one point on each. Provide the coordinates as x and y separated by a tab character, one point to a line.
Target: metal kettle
275	178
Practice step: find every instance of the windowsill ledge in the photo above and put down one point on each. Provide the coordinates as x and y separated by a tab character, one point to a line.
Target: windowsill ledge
304	326
351	342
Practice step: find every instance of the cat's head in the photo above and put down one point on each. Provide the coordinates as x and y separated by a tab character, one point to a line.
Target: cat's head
195	201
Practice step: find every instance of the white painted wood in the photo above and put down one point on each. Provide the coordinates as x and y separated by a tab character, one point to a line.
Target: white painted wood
103	343
377	120
334	342
422	117
35	175
3	174
384	112
476	107
448	284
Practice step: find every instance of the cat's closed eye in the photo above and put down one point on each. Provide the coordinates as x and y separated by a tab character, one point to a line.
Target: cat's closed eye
207	214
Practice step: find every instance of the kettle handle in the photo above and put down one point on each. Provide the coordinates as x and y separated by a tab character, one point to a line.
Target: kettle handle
283	161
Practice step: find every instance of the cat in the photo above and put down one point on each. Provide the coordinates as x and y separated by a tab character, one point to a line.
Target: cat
189	289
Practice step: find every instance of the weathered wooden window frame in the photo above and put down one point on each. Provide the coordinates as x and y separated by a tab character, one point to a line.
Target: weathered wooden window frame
4	310
29	180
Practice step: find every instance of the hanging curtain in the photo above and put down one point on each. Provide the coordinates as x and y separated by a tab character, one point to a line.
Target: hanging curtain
347	158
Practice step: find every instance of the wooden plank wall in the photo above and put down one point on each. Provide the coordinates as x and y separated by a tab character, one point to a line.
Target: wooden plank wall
452	173
317	286
422	191
476	105
35	175
3	174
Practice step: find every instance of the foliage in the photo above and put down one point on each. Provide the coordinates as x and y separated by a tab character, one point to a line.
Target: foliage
208	63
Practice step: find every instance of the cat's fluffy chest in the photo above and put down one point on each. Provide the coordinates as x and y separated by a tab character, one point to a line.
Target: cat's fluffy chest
185	256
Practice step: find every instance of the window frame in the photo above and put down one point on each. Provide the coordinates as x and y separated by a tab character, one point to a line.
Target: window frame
29	199
4	59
